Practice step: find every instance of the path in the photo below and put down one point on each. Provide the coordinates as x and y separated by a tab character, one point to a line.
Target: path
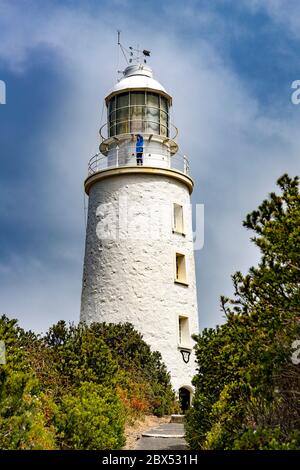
167	436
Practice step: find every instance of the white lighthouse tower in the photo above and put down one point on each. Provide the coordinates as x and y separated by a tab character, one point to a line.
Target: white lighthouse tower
139	258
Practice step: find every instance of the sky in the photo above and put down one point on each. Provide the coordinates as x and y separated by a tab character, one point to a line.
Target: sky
229	66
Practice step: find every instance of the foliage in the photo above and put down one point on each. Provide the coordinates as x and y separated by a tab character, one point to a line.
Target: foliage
79	356
247	389
267	439
23	423
74	387
91	419
146	379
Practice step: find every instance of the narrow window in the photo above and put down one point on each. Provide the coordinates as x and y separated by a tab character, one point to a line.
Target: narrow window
183	332
180	268
178	218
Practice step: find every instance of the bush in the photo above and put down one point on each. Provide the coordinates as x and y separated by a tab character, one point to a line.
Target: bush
74	387
23	424
91	419
142	374
266	439
247	389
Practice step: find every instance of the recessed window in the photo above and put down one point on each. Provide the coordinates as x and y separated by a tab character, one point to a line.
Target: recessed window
180	268
183	332
178	218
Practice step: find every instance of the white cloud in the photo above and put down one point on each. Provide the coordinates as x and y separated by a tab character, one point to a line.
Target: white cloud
283	12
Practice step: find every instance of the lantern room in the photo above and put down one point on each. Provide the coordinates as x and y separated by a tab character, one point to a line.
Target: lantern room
137	111
138	104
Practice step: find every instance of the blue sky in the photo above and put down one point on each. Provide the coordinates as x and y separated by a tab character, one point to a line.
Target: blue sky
229	66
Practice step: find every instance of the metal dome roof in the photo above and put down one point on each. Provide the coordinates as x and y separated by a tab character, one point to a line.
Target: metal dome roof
138	76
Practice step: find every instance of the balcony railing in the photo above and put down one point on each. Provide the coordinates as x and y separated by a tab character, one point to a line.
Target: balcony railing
125	157
143	125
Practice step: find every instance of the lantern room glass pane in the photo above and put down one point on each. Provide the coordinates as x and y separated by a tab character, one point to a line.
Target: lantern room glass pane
122	114
112	105
122	100
112	130
153	100
152	114
112	116
164	124
137	106
164	104
164	117
137	98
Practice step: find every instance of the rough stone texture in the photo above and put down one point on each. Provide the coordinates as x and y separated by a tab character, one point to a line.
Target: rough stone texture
129	266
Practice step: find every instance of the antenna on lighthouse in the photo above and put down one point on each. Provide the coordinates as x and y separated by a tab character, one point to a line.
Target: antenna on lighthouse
132	54
121	47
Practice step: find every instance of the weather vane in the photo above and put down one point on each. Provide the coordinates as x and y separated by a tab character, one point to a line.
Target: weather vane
133	55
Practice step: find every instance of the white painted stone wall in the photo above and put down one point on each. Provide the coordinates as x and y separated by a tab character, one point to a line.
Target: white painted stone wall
131	278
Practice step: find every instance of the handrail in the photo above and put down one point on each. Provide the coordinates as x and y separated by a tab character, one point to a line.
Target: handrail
137	106
141	121
100	131
127	157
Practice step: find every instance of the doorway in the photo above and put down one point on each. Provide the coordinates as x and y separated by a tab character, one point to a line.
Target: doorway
184	399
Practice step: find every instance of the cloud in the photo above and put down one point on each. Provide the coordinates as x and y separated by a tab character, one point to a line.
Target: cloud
285	14
236	146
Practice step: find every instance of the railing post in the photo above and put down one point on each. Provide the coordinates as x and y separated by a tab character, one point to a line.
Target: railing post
184	165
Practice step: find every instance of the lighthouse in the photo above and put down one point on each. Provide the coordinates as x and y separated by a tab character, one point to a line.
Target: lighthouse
139	257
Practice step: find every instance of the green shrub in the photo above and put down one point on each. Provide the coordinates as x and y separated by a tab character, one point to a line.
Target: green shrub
142	375
266	439
23	424
246	388
75	387
91	419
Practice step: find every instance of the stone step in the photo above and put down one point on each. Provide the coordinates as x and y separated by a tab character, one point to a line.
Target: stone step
166	436
177	418
167	430
163	436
